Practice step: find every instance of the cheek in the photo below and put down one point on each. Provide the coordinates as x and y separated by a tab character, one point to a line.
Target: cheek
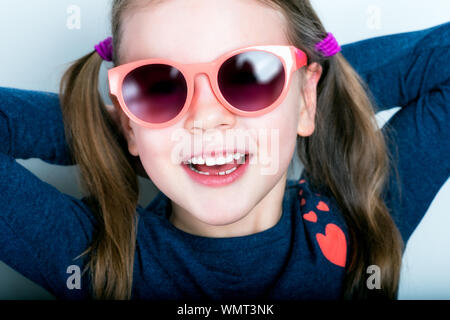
148	143
276	139
285	120
153	150
286	116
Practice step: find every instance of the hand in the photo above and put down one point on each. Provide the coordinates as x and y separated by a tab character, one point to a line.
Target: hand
136	162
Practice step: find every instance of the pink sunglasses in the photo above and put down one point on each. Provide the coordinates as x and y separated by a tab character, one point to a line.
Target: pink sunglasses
250	82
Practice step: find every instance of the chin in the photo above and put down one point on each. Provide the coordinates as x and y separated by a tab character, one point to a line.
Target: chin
220	216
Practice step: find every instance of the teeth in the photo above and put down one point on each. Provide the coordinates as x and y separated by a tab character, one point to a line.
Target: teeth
220	160
228	171
207	173
209	161
193	169
229	158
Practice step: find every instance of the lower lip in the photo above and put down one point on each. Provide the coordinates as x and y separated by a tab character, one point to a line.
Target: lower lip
217	180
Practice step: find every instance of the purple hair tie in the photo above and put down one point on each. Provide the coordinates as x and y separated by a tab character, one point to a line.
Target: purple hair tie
105	49
328	46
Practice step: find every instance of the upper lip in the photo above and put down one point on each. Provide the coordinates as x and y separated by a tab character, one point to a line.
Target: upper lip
215	153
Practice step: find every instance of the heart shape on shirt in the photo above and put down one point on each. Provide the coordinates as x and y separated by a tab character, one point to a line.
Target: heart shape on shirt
322	206
310	216
333	244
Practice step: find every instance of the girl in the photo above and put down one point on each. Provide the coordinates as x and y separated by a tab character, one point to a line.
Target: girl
226	230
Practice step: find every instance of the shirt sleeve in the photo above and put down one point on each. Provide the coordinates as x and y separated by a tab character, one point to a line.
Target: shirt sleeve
42	230
411	70
32	126
395	67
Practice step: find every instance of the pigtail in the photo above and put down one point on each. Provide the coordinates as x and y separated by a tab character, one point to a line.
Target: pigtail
107	176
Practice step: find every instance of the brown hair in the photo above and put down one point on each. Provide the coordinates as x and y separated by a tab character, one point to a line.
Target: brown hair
346	156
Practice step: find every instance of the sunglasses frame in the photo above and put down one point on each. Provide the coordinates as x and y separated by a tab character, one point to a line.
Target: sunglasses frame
291	57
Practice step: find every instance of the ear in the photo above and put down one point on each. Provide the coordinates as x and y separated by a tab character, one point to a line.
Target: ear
306	120
124	123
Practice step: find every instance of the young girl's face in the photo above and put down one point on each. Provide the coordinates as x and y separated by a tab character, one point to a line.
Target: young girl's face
197	31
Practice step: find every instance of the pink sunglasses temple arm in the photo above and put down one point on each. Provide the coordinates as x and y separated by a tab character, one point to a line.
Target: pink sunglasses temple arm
301	59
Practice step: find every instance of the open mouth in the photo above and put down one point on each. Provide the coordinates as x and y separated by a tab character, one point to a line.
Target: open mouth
217	166
217	171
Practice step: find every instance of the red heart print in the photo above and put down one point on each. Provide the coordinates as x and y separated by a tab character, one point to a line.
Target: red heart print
300	192
302	181
333	244
322	206
302	203
310	216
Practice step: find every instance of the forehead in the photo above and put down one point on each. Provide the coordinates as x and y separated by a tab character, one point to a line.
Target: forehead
193	31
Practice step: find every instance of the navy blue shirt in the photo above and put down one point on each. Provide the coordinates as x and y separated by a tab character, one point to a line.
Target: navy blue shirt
303	256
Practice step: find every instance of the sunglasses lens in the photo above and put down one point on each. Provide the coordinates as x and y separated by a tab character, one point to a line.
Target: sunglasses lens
155	93
252	80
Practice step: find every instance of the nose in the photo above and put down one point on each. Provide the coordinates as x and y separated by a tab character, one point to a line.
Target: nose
206	112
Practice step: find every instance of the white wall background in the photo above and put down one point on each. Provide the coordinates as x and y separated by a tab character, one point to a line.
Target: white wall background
38	39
